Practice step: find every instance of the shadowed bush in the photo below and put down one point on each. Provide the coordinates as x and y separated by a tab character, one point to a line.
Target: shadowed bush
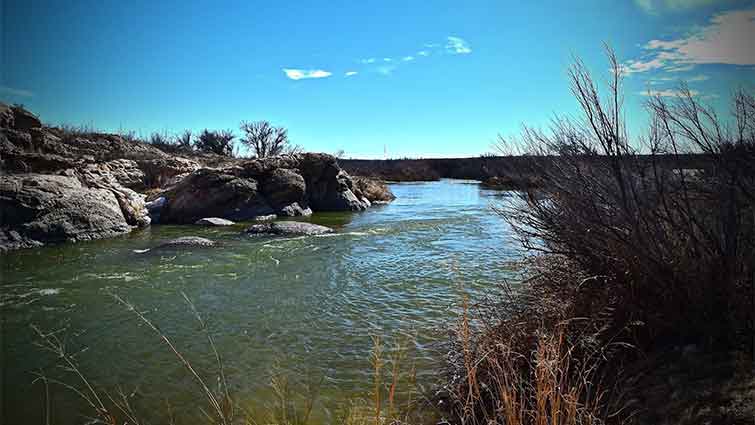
638	251
217	142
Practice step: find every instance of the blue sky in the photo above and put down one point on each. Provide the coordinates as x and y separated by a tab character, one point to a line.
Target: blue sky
430	78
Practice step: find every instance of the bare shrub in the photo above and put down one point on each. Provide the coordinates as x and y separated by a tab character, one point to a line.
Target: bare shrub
266	140
648	244
217	142
674	227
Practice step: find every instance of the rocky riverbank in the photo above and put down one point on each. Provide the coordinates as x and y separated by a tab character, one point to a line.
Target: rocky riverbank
60	185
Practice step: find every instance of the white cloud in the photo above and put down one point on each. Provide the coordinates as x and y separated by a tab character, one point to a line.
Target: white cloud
350	73
657	6
693	79
698	78
457	46
726	39
303	74
423	53
16	92
368	60
386	69
387	60
668	93
407	58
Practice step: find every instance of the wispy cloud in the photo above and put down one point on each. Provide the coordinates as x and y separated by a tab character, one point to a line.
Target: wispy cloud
698	78
726	39
693	79
407	58
350	73
16	92
367	61
668	93
658	6
386	69
303	74
457	46
423	53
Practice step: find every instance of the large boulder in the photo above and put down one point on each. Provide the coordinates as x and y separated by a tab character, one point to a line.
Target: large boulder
37	208
288	228
214	193
328	187
24	120
286	191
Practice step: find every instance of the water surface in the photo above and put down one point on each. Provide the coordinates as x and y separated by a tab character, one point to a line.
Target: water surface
304	306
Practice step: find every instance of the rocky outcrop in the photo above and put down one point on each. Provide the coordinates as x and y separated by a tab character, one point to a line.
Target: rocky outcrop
291	185
288	228
64	184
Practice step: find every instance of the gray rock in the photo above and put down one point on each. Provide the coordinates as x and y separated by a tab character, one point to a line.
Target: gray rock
182	242
214	221
214	193
372	190
41	208
295	210
287	228
283	189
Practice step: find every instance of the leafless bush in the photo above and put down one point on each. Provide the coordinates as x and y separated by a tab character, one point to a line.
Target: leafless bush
266	140
674	228
648	249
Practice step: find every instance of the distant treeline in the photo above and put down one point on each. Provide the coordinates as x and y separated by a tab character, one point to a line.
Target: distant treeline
516	168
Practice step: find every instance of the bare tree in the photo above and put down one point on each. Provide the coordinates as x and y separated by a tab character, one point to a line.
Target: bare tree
266	140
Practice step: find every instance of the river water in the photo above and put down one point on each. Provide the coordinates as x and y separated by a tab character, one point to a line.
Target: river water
304	308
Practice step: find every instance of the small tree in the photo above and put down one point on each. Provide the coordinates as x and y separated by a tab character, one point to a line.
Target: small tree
217	142
265	140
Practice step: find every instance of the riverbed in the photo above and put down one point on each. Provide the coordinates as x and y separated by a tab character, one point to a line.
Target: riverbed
302	307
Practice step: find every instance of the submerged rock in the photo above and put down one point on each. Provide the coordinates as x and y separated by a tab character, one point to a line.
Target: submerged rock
214	221
182	242
288	228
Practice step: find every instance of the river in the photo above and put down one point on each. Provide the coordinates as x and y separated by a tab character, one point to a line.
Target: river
302	307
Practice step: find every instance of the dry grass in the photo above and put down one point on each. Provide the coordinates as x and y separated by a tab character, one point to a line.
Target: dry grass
535	359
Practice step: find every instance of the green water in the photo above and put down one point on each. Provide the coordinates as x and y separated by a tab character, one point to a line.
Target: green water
305	307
